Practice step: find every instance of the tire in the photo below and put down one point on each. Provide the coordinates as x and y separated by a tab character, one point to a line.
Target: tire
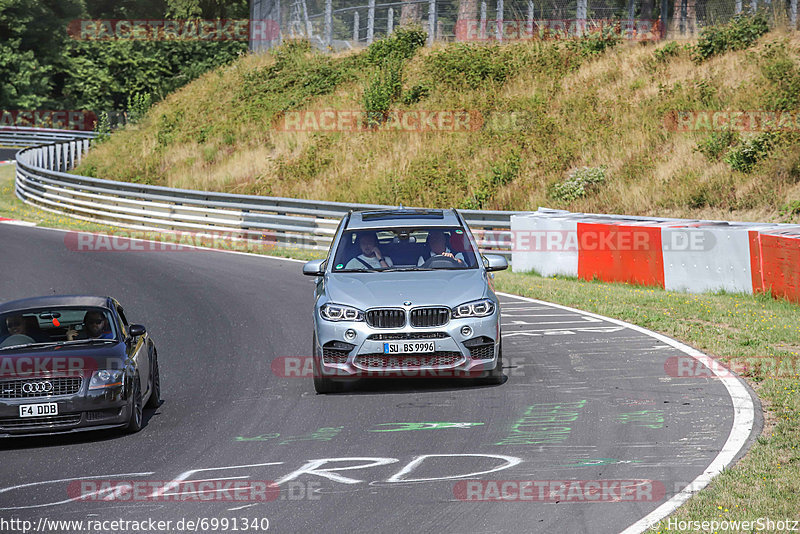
496	374
136	416
321	383
155	391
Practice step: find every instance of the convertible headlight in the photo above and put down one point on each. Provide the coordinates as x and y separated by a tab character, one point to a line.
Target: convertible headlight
477	308
106	378
340	312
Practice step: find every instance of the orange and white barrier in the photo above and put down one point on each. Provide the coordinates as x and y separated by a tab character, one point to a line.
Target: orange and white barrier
675	254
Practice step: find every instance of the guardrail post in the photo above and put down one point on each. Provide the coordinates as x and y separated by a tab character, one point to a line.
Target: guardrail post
431	21
793	14
753	6
355	27
390	21
370	21
738	7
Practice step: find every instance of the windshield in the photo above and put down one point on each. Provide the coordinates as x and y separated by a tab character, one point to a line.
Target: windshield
404	249
55	326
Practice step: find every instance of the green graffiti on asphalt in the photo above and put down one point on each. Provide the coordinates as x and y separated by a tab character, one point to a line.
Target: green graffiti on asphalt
262	437
543	423
645	418
599	461
320	434
423	426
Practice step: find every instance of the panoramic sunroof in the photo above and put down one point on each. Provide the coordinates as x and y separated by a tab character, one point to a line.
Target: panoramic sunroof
404	214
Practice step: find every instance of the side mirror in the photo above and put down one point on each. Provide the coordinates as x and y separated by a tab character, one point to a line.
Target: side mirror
136	330
314	268
494	262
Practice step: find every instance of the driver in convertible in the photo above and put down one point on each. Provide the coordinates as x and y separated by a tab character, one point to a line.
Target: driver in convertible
438	245
95	326
371	256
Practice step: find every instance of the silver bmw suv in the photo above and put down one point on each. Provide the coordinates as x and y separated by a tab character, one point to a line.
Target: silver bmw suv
405	293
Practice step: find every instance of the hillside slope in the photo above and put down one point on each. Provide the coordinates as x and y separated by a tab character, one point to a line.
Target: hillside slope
548	109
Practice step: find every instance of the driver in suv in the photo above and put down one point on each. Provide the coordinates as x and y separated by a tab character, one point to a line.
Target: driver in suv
438	245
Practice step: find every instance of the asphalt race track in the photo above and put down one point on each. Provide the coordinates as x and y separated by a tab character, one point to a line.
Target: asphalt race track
586	399
7	153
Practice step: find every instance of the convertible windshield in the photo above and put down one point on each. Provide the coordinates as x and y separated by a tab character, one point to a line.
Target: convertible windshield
47	327
404	249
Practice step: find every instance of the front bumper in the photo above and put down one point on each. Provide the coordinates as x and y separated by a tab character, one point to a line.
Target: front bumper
84	410
456	354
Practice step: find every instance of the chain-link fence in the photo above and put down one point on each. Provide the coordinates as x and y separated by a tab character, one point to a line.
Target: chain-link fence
345	24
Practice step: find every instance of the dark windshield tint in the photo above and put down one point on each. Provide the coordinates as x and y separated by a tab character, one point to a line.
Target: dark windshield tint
404	249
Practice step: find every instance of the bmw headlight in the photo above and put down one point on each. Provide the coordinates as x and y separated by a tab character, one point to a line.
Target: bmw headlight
477	308
340	312
106	378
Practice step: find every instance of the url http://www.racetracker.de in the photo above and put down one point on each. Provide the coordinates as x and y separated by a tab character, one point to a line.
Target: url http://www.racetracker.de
196	524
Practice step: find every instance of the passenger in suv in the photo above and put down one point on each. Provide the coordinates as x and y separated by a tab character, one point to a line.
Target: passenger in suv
440	318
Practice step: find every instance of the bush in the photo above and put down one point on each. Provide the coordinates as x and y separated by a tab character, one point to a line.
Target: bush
745	156
667	51
595	42
383	88
502	173
578	183
403	43
717	143
462	65
739	33
415	94
138	104
781	71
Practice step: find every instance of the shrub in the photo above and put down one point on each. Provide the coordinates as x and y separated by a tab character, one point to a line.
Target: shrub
780	70
745	156
737	34
415	94
595	42
717	143
470	66
384	87
667	51
503	172
402	43
138	104
578	183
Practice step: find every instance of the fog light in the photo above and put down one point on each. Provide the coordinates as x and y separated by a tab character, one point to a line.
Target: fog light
350	334
466	331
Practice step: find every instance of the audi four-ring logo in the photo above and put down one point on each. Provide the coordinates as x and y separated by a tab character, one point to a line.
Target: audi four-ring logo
37	387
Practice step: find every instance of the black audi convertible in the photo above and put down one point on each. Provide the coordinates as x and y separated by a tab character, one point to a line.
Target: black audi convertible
72	363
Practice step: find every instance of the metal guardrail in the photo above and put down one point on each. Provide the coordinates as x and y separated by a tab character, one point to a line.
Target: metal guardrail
43	181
